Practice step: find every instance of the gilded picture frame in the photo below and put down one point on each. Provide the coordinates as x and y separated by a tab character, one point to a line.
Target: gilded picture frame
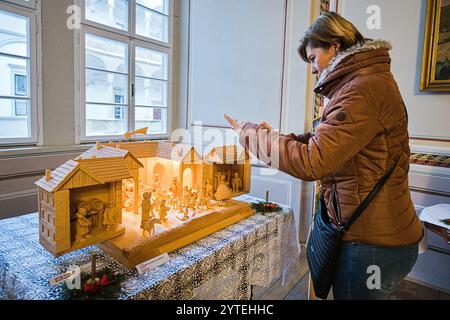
436	49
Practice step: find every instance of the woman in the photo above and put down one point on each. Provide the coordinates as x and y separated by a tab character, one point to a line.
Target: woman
362	133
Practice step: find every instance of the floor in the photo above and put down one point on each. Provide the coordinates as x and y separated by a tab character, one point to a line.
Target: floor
297	280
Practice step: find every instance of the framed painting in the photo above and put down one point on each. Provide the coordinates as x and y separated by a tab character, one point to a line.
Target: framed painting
436	49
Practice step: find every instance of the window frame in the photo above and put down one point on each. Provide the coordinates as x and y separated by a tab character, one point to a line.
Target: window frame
15	110
146	45
19	93
132	40
28	4
32	12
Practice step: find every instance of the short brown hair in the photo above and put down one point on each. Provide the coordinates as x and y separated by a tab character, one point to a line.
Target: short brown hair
327	29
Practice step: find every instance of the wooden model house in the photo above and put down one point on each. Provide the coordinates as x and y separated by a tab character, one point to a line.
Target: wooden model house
97	198
91	183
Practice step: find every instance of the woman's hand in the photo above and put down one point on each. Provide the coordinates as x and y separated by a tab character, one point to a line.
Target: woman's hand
265	125
236	124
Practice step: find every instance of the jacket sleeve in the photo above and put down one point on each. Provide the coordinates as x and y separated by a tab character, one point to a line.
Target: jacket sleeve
350	125
303	138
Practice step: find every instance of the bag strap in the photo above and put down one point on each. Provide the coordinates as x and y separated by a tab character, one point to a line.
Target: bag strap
368	199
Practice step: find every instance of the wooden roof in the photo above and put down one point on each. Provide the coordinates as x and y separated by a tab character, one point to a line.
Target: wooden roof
164	150
108	164
102	152
108	152
186	154
146	149
222	155
140	150
106	169
99	165
59	176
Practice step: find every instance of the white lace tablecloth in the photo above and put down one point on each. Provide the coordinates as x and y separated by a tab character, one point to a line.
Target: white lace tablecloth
224	265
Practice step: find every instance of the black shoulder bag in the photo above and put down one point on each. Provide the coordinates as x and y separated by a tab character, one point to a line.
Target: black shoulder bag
325	239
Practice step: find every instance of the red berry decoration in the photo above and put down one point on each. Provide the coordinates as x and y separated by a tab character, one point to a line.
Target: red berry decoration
104	281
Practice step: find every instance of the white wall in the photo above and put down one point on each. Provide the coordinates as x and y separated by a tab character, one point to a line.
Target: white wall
240	57
236	60
58	84
403	23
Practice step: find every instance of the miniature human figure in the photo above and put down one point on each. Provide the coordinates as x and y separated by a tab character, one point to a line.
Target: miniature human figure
156	183
128	194
110	216
97	212
175	187
172	201
236	182
82	225
193	200
203	201
157	199
147	210
223	192
163	211
209	190
187	194
185	202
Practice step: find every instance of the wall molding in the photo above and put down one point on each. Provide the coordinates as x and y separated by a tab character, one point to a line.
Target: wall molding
434	150
18	194
286	183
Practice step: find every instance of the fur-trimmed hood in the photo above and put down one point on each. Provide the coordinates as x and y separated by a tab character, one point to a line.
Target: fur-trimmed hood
354	58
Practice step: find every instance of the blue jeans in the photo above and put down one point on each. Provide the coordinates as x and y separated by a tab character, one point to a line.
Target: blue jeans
367	272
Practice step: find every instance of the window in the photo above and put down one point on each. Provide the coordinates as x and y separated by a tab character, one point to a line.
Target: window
20	85
119	99
21	109
156	114
126	62
18	88
152	19
118	113
110	13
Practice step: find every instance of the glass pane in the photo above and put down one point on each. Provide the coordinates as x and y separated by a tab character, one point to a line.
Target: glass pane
113	13
151	64
151	92
14	80
106	87
157	5
14	37
106	54
155	119
104	120
152	24
15	119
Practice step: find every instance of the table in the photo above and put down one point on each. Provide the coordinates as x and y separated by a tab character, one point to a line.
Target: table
441	231
224	265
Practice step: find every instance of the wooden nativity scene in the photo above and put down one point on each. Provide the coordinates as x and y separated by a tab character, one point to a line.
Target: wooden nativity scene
138	200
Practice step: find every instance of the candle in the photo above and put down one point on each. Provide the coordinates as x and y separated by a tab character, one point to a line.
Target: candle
93	267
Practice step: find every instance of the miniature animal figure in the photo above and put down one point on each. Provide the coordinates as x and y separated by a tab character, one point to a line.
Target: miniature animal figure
149	226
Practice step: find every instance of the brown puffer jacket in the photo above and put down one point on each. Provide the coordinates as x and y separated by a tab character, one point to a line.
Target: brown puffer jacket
362	133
